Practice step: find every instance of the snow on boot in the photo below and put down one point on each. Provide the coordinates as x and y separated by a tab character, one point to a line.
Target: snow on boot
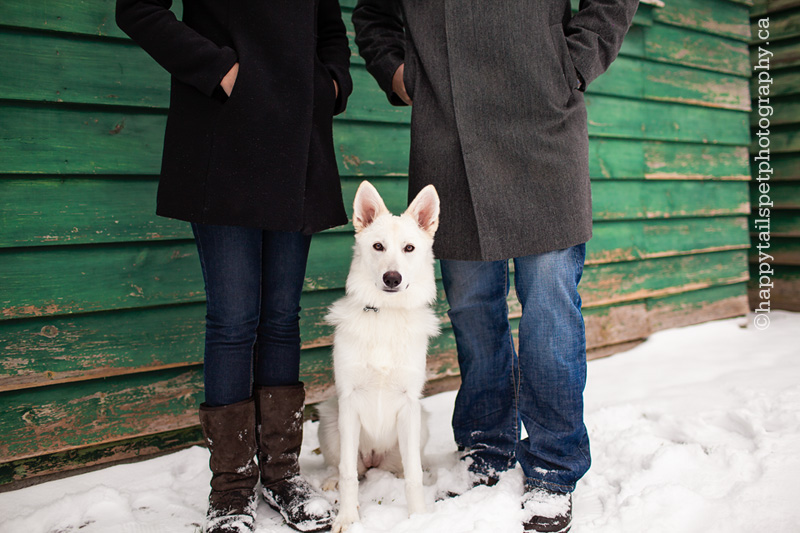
279	413
230	433
547	511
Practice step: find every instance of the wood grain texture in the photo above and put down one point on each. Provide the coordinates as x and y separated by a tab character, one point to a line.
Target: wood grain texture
784	83
773	6
39	421
67	348
717	17
64	280
77	69
784	195
700	50
785	54
785	293
782	25
89	17
784	251
66	140
19	473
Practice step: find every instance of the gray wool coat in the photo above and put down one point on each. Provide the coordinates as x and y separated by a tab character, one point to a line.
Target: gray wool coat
499	122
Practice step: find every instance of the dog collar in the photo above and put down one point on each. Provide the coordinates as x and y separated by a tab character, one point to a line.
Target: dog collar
370	308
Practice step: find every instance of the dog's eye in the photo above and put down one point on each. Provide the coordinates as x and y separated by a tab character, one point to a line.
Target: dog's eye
409	248
378	246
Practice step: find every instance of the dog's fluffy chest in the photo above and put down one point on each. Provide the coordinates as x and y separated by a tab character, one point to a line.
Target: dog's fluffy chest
381	350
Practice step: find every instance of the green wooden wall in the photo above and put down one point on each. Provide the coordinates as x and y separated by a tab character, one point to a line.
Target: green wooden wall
101	302
784	191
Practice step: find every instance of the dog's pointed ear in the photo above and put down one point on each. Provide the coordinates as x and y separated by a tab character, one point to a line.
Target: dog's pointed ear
425	209
367	206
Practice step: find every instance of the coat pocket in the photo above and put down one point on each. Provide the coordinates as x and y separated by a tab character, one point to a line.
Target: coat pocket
562	51
219	92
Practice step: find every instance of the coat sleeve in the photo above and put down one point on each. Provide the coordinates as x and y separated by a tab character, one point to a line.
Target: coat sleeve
333	49
380	37
184	53
594	35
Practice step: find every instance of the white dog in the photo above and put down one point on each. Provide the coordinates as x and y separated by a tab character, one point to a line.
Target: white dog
383	324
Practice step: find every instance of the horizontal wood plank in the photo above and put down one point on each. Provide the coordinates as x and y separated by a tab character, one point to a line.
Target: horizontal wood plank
785	167
761	7
785	223
673	83
781	251
784	195
695	49
717	17
615	282
67	140
782	25
665	121
90	18
785	112
46	350
785	54
62	280
783	140
784	83
15	474
627	199
82	210
646	239
693	161
62	68
695	307
785	292
59	418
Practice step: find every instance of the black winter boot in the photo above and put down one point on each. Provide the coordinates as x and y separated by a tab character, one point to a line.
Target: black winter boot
547	511
230	432
280	434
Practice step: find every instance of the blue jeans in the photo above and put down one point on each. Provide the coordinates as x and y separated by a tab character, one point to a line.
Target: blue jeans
253	281
541	387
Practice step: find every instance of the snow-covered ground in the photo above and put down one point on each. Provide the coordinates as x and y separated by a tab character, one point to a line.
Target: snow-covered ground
696	430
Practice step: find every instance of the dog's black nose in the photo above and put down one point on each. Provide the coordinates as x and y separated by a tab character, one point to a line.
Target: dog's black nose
392	279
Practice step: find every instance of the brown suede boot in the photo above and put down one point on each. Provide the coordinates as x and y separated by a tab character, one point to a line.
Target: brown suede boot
230	433
280	434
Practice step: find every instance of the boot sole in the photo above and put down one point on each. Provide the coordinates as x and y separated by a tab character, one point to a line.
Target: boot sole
272	503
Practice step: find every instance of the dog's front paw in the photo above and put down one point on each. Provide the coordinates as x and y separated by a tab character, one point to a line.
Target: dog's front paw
416	502
417	508
332	483
344	520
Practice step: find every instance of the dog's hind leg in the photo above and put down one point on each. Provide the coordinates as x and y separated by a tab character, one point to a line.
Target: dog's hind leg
409	440
349	432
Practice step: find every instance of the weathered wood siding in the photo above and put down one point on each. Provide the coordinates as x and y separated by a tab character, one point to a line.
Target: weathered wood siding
784	185
101	302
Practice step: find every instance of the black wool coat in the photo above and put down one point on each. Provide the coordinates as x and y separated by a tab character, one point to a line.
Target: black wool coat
499	122
264	156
